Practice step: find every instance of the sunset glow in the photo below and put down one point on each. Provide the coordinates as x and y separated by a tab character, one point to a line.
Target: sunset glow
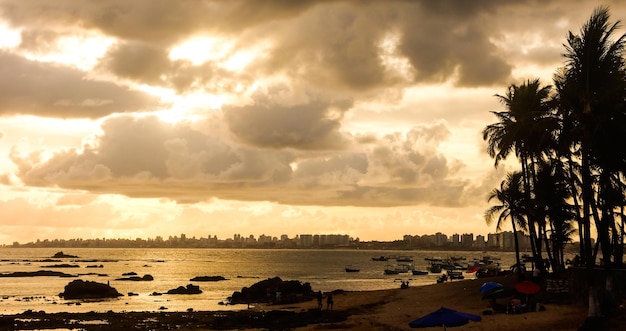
346	117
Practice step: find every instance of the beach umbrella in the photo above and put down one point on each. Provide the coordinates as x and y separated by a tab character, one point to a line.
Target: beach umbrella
486	287
444	317
527	287
498	292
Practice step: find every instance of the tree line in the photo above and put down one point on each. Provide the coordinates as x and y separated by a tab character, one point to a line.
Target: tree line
570	142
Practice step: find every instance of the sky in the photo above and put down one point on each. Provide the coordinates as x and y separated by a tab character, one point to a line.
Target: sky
145	118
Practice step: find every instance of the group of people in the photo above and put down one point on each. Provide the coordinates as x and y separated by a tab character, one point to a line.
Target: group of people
329	300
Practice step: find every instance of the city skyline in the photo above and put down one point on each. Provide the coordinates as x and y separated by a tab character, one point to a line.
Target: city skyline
131	119
503	239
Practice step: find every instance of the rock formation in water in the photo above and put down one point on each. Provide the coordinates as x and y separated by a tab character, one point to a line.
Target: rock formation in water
145	278
60	255
207	278
79	289
190	289
39	273
273	290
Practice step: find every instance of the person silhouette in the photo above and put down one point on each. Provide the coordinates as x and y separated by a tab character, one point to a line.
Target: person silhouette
329	301
319	299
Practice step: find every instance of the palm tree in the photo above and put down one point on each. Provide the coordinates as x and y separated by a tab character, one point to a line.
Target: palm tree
552	194
511	197
591	89
526	128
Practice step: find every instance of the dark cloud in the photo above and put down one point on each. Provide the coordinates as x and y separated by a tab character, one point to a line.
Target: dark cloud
150	64
438	48
333	44
49	90
270	123
139	61
163	21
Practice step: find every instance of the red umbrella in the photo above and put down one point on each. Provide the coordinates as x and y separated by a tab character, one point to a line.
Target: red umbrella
527	287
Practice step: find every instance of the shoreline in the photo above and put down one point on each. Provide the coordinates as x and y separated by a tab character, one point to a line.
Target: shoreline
359	310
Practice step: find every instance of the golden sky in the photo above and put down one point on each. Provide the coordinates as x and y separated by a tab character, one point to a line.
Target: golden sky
144	118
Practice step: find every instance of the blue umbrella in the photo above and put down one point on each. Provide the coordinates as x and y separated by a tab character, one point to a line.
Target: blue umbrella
444	317
488	286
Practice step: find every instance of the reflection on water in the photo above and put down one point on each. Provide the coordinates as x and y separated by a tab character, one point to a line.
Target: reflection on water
171	268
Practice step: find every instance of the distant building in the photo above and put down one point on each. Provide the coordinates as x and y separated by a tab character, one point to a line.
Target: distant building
467	240
480	241
306	240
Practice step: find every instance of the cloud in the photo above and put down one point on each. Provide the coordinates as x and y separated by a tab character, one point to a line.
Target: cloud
273	122
147	158
332	44
50	90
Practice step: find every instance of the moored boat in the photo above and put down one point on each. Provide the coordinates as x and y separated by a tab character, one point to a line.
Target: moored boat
352	268
455	274
404	258
398	269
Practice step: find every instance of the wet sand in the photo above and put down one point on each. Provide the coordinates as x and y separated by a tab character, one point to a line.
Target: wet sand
365	310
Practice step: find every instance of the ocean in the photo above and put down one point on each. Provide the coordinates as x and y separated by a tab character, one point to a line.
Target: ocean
171	268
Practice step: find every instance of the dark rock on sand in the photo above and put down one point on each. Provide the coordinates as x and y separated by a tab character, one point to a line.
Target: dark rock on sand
39	273
207	278
190	289
79	289
132	273
145	278
273	290
60	255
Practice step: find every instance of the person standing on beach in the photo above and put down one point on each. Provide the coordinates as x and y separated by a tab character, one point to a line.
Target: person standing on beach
319	300
329	301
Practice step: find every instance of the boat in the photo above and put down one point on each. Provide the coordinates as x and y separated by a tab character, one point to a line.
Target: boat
398	269
419	272
434	264
391	271
455	274
435	268
404	258
352	268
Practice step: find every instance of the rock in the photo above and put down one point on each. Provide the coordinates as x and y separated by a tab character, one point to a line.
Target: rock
38	273
273	290
132	273
207	278
64	265
79	289
190	289
59	255
145	278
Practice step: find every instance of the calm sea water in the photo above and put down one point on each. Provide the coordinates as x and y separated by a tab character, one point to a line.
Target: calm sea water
171	268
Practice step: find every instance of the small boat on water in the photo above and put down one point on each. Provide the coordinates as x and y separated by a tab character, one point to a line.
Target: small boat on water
404	258
398	269
352	268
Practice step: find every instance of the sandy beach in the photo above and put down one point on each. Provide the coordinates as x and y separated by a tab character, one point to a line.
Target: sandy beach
363	310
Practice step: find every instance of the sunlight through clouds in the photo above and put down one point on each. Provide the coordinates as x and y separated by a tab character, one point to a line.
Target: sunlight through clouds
259	117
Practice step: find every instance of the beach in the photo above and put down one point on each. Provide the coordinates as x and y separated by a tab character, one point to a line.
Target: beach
390	309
